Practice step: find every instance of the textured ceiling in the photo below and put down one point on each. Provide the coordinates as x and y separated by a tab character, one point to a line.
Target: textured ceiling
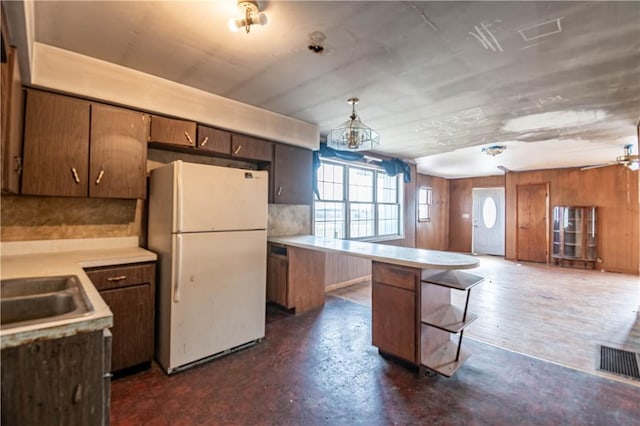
557	82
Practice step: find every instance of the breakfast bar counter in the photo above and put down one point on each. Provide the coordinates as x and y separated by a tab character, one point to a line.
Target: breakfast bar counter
393	255
412	315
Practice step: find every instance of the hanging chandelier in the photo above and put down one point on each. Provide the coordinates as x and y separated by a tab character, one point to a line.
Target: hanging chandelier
353	134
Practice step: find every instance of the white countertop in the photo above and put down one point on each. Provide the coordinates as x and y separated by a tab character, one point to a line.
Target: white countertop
405	256
66	257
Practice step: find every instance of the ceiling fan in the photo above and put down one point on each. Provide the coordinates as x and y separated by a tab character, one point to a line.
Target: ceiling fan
629	160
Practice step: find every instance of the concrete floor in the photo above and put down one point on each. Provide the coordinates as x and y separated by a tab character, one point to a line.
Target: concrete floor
319	368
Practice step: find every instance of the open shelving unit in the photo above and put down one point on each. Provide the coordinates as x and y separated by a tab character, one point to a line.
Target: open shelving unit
440	319
413	318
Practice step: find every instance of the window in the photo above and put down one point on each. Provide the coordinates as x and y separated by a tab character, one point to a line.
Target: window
357	202
424	204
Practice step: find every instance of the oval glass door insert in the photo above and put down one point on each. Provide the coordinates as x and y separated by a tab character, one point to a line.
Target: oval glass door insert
489	212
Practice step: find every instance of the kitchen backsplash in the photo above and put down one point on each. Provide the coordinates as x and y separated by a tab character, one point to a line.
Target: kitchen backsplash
285	220
26	218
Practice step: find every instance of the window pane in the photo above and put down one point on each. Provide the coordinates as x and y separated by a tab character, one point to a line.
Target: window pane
362	221
371	197
331	182
387	188
329	219
388	219
422	196
424	204
360	185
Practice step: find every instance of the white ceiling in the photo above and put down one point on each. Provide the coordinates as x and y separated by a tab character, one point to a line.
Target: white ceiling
558	83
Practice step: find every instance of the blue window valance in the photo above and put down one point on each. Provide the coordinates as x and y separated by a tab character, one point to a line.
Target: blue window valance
392	167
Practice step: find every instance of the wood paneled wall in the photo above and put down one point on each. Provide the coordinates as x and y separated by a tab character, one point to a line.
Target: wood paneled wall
434	235
614	190
461	208
343	270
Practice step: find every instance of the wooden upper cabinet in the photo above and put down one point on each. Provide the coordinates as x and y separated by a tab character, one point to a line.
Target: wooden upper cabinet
11	110
172	131
75	148
214	140
118	152
251	148
56	145
292	175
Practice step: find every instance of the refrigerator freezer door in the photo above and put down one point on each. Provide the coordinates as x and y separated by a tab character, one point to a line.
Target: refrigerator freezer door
221	295
212	198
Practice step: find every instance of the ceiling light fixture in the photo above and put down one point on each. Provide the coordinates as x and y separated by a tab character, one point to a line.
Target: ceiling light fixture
353	134
249	11
494	150
632	162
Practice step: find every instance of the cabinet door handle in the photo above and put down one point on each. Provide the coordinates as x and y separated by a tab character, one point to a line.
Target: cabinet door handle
279	190
204	141
75	175
186	135
237	149
100	176
77	393
118	278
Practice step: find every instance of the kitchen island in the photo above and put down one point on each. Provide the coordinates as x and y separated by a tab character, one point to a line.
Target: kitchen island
412	315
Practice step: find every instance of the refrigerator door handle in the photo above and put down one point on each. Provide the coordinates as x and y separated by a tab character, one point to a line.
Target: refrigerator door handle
177	204
177	261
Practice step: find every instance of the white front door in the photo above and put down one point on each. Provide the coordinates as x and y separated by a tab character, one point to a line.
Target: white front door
488	221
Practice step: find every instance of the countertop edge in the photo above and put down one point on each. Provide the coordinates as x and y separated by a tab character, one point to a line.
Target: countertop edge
67	263
313	243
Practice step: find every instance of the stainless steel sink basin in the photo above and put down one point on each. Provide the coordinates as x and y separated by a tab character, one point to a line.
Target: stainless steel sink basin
38	285
38	300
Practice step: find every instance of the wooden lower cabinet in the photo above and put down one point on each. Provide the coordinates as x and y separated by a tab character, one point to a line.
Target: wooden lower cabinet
413	318
393	321
277	277
295	277
394	311
129	291
56	381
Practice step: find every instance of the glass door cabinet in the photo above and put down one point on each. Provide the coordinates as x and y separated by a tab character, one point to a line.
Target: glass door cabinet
574	236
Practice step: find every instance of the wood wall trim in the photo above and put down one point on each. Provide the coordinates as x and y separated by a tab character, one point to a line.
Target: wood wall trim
347	283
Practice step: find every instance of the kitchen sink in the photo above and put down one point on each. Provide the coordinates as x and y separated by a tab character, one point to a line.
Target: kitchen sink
38	300
27	286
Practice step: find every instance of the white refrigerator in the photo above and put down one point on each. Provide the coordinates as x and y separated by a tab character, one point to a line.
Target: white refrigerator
208	226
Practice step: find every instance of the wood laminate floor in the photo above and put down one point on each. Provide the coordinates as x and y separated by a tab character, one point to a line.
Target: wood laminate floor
561	315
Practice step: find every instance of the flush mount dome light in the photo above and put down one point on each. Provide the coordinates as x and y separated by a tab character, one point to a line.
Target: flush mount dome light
494	150
353	134
250	14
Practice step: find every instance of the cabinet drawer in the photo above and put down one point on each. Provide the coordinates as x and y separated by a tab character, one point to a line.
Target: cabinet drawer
396	276
108	277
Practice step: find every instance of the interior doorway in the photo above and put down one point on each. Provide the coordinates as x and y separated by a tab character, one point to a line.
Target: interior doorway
532	240
487	236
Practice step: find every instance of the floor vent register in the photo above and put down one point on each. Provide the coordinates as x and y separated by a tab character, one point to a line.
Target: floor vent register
620	362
